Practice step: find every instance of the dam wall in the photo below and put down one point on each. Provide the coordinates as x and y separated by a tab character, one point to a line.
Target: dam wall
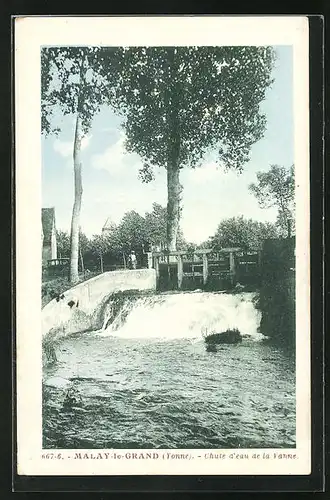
81	307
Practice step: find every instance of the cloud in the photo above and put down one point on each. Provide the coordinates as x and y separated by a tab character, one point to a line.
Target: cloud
112	130
206	173
115	158
85	141
65	148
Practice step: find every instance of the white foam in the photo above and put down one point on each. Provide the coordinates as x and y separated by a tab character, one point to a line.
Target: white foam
187	315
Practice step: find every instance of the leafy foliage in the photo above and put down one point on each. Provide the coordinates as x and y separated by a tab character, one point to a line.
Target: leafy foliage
276	188
84	243
246	234
180	103
132	232
193	99
100	244
73	82
74	79
63	244
155	223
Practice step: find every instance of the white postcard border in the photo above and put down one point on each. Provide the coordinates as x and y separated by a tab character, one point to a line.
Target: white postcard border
30	34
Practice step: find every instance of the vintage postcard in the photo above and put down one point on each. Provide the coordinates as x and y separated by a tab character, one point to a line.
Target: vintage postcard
163	289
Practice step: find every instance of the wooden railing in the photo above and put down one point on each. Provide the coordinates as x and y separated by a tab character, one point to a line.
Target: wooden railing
198	264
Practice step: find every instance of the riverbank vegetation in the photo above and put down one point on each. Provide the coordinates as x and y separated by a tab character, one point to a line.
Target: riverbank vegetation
54	286
142	233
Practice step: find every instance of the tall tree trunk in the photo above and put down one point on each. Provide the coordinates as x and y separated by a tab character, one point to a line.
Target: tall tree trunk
101	262
173	167
74	238
82	262
173	205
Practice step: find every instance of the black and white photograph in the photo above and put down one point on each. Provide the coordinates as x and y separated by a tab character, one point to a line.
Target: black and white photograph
164	245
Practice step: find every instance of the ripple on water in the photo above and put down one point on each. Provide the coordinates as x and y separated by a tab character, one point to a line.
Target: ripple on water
140	394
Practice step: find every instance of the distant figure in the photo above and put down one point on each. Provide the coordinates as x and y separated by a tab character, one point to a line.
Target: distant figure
133	259
149	260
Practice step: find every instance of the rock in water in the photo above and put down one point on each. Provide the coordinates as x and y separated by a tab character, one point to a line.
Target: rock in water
227	337
211	348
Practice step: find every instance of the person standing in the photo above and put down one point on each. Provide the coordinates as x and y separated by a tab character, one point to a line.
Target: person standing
133	259
149	260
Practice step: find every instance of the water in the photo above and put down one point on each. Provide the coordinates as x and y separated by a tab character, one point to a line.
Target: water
148	382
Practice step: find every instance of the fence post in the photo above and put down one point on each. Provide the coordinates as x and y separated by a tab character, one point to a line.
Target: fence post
180	271
259	266
232	266
205	269
149	260
157	269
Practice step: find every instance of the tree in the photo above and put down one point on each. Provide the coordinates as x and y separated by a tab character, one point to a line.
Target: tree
246	234
132	233
155	222
100	245
84	246
275	188
63	244
180	103
72	83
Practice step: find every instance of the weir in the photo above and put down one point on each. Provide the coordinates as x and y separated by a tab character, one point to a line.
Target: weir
189	315
96	304
206	269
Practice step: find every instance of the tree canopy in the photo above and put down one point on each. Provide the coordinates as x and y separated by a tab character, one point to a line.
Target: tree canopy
155	224
180	103
276	188
246	234
194	98
134	232
74	82
63	244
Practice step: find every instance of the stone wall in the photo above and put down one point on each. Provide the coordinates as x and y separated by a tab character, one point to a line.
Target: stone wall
89	298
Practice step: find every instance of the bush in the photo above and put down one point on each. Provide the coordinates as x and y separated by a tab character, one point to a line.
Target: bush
230	336
52	288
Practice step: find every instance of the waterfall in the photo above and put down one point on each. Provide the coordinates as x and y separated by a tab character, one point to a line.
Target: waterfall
185	315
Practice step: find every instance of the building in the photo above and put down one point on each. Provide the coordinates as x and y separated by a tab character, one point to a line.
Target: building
108	227
49	242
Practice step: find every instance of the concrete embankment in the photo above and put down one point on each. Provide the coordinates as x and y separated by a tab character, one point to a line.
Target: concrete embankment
82	306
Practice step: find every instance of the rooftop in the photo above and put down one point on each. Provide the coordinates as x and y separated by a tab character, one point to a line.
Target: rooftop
108	225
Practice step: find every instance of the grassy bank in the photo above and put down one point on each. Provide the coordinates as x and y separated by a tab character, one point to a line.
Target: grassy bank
54	286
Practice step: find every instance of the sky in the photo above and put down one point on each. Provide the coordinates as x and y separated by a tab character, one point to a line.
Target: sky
111	185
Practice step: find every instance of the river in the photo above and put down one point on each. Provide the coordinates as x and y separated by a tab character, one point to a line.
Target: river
147	381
